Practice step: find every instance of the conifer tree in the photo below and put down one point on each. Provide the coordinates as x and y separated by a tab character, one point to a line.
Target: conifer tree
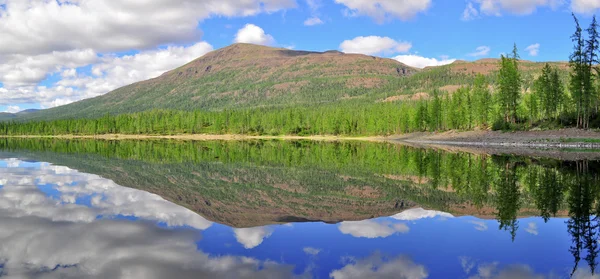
509	86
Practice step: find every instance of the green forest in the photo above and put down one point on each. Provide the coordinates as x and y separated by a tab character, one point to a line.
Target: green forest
509	99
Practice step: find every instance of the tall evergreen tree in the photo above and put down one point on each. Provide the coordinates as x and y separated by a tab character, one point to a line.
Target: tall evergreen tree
577	61
592	45
482	100
509	84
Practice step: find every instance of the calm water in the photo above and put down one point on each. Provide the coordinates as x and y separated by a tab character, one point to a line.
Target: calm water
158	209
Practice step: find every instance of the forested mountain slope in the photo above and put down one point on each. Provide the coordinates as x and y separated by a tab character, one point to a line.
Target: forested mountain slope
245	76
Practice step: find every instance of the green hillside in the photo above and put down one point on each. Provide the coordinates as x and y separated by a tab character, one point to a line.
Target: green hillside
248	76
245	76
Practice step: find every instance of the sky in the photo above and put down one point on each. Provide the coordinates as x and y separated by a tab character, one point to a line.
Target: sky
55	52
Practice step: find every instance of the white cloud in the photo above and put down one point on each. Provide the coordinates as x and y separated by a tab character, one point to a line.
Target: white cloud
373	45
420	213
311	251
52	237
33	247
382	10
585	6
21	196
253	34
492	271
376	266
313	21
43	37
12	109
315	18
107	26
470	12
109	73
480	225
26	70
532	228
252	237
371	228
480	51
516	7
422	62
533	50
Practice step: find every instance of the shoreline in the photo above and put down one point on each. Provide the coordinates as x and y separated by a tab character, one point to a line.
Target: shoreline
202	137
550	139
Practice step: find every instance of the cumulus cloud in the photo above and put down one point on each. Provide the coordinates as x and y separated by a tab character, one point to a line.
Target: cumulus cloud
382	10
533	50
372	228
12	109
377	266
25	70
252	237
499	7
108	26
480	51
422	62
587	7
420	213
109	73
253	34
313	21
21	196
33	247
373	45
61	36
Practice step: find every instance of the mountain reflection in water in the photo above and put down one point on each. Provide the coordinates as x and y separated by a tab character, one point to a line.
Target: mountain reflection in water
64	212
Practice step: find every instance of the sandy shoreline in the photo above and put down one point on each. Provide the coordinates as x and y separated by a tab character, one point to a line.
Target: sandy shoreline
558	139
203	137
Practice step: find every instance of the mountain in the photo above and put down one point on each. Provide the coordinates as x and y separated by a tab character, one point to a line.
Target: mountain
248	76
4	116
244	76
8	116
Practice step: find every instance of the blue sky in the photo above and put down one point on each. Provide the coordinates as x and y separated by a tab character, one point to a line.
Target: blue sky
56	52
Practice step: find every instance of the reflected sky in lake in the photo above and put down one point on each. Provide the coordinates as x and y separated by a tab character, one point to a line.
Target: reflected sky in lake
57	222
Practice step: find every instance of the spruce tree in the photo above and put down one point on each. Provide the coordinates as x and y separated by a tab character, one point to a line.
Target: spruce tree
509	85
577	75
591	52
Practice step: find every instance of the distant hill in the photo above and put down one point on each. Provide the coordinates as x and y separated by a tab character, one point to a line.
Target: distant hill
8	116
250	76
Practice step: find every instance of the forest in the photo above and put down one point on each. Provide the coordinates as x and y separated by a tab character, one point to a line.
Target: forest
507	100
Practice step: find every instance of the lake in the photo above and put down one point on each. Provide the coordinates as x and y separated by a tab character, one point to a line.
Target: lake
291	209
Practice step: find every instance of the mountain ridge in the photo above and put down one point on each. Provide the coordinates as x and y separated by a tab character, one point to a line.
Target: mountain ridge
246	76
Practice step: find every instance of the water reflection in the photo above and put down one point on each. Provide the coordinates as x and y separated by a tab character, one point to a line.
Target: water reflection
56	222
387	211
